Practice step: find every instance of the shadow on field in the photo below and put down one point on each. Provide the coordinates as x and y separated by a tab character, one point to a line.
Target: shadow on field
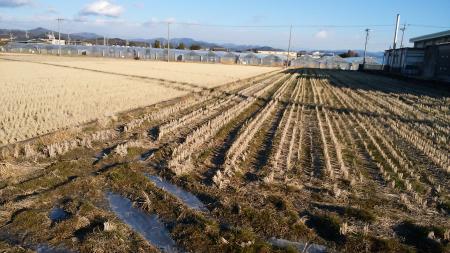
378	82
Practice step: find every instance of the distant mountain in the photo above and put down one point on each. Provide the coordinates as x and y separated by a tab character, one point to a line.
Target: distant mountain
243	48
85	35
38	32
42	33
359	51
176	41
189	42
92	37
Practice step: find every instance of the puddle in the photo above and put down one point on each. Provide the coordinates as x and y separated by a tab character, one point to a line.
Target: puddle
58	214
186	197
148	225
148	154
103	154
300	246
43	248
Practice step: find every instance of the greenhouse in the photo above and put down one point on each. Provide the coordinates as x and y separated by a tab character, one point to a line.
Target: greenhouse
250	59
229	58
211	57
272	60
192	57
305	61
333	62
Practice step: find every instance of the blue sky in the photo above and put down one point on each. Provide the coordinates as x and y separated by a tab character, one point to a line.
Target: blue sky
314	21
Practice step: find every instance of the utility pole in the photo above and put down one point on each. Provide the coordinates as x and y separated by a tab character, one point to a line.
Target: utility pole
59	35
168	41
403	33
289	46
26	34
394	46
365	47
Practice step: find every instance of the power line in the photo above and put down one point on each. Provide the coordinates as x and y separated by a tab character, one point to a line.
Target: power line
430	26
273	26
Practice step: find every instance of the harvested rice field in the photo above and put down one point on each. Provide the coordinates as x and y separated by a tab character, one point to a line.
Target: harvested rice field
204	75
37	98
300	160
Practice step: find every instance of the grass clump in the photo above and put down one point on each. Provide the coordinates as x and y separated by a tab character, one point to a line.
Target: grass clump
360	214
359	243
278	201
423	238
327	227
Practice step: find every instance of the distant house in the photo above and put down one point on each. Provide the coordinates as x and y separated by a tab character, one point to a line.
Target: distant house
5	37
219	49
316	54
301	53
279	53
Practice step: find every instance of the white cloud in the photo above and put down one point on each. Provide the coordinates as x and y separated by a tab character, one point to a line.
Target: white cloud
321	34
102	8
14	3
52	10
170	20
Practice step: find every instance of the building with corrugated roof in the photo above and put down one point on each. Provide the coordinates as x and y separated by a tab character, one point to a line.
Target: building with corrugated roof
429	58
431	39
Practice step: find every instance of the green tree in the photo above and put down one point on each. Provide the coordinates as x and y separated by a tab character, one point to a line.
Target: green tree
181	46
157	44
349	53
195	47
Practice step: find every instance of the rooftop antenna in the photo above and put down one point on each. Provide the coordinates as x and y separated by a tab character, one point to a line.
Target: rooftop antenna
168	41
394	45
403	33
289	46
59	35
365	46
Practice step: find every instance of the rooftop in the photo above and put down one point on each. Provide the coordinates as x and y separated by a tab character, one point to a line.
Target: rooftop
430	36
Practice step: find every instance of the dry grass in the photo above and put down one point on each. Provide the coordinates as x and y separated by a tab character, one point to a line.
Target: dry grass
206	75
38	99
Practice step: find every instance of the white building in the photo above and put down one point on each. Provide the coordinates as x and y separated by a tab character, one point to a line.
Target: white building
54	41
291	54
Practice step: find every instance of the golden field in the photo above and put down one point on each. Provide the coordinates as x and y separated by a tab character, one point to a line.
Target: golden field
41	94
206	75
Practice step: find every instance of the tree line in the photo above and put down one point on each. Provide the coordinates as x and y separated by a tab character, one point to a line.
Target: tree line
181	45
